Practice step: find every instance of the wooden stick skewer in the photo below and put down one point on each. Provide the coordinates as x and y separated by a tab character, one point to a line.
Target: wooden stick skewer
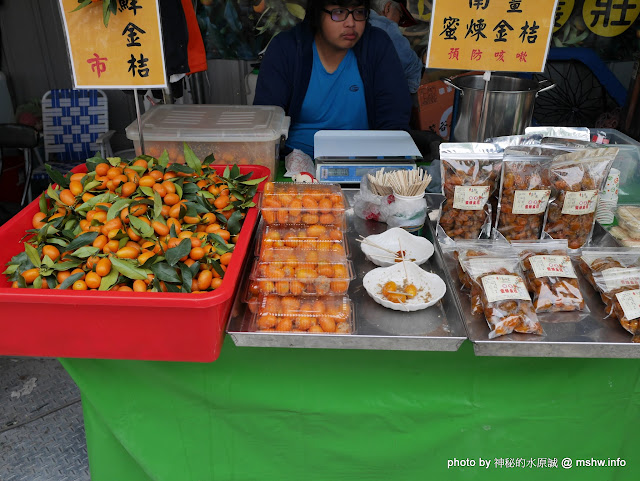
411	259
372	244
403	264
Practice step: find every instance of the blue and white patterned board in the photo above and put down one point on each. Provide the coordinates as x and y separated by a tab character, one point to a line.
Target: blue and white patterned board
72	121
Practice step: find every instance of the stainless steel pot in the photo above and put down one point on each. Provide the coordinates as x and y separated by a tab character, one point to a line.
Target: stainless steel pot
508	109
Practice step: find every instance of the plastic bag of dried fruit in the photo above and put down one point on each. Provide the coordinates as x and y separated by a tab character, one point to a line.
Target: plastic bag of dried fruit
576	181
594	260
465	249
620	291
550	276
469	174
524	194
499	282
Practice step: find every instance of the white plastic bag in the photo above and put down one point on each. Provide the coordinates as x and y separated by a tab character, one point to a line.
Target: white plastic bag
367	205
297	161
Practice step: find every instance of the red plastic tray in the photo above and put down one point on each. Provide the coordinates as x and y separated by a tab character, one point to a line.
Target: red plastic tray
152	326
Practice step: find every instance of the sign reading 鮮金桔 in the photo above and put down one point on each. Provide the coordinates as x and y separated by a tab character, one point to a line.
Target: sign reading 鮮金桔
128	53
505	35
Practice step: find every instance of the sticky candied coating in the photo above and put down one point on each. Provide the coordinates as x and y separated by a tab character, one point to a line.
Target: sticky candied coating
462	223
522	176
551	293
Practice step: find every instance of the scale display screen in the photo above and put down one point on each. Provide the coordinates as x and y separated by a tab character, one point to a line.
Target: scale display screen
338	172
352	172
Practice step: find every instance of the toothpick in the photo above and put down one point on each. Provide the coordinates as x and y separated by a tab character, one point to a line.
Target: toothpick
372	244
403	264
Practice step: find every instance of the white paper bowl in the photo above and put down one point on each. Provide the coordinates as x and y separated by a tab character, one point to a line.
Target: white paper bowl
425	282
415	247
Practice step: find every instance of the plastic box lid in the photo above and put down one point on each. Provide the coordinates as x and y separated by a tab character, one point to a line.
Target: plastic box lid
211	123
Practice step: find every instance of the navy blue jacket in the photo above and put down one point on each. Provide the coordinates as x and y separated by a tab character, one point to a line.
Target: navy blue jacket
285	72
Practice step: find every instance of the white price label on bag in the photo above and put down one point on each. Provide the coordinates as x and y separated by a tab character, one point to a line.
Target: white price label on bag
580	203
552	266
630	303
530	201
473	197
502	287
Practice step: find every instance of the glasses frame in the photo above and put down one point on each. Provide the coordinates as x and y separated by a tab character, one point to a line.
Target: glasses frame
349	12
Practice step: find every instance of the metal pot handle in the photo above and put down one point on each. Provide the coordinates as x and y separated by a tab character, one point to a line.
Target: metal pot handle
450	83
543	89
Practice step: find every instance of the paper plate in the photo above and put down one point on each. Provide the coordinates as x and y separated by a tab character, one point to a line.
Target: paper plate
430	287
417	248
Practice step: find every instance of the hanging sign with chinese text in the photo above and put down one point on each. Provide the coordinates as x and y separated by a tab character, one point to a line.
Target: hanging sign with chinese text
126	54
506	35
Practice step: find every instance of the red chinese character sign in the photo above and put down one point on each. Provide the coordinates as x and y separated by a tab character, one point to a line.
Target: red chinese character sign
128	53
506	35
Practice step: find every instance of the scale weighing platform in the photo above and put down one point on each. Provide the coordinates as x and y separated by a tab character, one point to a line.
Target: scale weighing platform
344	156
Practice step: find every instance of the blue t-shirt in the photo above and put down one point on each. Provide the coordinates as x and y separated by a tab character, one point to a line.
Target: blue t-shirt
334	101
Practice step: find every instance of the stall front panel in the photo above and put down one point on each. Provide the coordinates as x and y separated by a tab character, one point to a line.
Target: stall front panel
326	414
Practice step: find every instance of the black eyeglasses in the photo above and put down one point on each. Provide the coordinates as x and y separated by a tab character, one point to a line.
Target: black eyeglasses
341	14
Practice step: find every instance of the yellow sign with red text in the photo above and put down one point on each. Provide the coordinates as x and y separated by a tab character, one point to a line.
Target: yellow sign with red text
505	35
128	53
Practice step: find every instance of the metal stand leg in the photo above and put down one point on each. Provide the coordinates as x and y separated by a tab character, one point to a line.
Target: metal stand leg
28	169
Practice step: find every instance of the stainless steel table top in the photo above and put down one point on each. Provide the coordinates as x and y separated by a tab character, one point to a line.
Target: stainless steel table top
567	334
436	328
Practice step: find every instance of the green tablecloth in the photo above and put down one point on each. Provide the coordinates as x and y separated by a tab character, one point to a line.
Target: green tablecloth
305	414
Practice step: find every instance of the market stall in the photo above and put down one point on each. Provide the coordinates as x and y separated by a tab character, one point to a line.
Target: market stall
326	373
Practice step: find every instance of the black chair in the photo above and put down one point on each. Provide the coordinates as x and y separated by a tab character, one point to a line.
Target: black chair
25	138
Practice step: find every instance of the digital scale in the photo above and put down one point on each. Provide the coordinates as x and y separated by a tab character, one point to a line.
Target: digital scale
344	156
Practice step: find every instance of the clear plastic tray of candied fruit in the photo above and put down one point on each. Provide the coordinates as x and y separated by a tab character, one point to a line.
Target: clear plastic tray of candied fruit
293	272
289	203
303	237
312	315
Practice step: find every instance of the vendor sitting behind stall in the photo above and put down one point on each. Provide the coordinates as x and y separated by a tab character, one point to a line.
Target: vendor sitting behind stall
390	16
334	71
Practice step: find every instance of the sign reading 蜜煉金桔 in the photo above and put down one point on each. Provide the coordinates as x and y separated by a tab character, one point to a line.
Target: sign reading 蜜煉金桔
126	54
505	35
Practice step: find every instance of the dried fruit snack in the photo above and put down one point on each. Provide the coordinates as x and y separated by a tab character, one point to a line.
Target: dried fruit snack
620	291
506	302
576	180
469	178
309	204
524	193
550	276
595	260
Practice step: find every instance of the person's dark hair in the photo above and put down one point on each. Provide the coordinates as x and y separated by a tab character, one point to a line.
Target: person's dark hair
314	12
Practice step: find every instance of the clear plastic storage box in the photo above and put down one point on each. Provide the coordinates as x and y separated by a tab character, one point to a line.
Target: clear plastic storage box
303	237
289	203
319	315
242	134
287	271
